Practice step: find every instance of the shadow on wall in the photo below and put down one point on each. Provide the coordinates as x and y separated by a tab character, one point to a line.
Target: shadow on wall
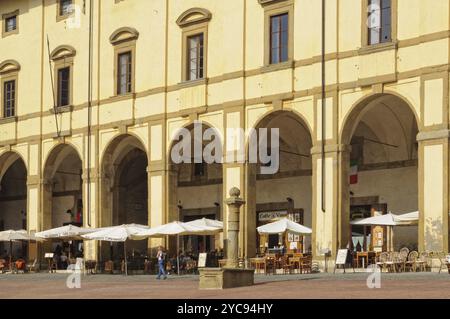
433	234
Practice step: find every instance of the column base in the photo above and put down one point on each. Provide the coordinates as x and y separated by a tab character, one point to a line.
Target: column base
225	278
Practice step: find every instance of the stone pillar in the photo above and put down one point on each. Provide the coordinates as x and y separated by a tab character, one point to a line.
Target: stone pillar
33	223
434	190
90	211
330	220
234	204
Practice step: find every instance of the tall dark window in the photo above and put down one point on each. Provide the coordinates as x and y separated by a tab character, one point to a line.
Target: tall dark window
64	86
9	103
199	169
11	24
195	61
65	7
124	73
379	21
279	34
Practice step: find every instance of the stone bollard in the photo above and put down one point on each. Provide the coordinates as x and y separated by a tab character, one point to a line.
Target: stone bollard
234	205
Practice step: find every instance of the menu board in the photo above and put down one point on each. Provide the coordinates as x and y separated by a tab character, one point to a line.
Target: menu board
341	258
202	260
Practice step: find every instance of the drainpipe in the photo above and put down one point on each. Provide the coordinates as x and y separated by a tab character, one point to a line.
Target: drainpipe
323	106
89	118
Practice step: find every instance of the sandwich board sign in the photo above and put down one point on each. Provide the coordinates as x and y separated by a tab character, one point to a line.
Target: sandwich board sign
341	259
202	260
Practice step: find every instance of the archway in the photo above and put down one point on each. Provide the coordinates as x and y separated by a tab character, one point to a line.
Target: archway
13	200
288	192
63	192
382	170
196	184
124	191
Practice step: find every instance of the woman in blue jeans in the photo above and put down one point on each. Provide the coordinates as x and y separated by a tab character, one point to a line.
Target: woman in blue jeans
161	255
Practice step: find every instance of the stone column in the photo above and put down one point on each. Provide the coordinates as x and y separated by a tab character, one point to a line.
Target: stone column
234	203
330	220
434	204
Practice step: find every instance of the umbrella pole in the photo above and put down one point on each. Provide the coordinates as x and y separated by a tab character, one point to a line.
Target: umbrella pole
10	255
178	256
125	254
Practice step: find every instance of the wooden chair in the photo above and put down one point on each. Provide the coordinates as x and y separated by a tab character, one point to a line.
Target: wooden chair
2	265
270	264
20	266
32	267
295	263
109	267
306	264
411	264
382	259
222	263
285	265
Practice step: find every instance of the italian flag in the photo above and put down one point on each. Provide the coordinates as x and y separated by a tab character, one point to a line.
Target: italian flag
353	172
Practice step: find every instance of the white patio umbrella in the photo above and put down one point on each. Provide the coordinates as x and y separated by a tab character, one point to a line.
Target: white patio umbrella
179	229
14	235
118	234
282	226
206	222
68	232
409	219
390	220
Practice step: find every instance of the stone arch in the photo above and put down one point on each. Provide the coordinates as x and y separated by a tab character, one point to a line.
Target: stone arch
62	191
358	108
193	16
382	131
124	187
266	117
9	158
189	126
289	190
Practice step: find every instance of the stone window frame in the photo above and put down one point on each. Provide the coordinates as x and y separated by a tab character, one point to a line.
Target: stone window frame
9	71
124	40
63	57
371	48
191	27
274	8
60	17
7	16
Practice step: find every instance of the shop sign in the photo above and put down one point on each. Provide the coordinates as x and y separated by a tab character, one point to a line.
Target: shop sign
265	216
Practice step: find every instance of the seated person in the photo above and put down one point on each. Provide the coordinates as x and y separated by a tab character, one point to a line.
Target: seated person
20	264
64	261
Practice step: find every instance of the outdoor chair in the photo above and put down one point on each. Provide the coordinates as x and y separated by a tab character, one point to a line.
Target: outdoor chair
306	264
411	264
382	259
270	265
390	264
286	266
403	255
32	267
109	267
423	261
295	263
2	265
442	260
222	263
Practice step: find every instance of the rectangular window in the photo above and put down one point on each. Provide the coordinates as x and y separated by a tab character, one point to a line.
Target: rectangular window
379	21
64	86
9	94
195	56
199	169
65	7
124	73
11	24
279	35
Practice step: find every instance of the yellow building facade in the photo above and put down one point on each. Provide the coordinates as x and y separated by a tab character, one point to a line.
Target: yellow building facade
94	91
